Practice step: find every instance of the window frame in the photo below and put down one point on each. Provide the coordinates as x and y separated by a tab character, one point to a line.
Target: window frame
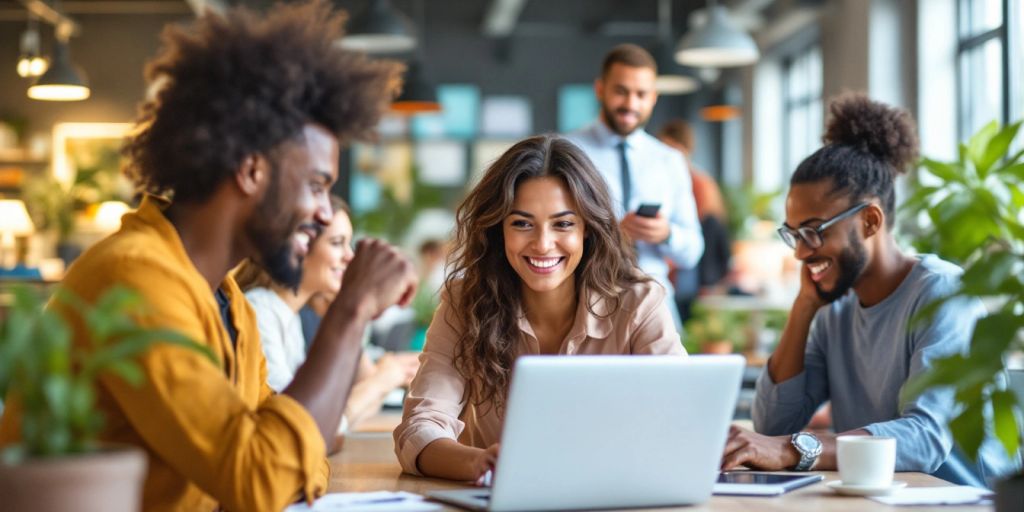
790	104
976	42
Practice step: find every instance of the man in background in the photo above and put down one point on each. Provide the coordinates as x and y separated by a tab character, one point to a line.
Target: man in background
640	170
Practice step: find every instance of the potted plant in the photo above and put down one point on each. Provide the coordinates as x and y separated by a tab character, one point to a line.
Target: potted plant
974	205
57	208
710	331
58	463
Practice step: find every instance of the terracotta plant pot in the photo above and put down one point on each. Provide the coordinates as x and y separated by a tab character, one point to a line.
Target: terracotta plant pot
109	480
716	347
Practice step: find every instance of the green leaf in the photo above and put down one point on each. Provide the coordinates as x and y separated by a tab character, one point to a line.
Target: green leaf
128	371
1015	171
978	143
1004	420
969	429
943	170
921	199
56	390
985	275
996	149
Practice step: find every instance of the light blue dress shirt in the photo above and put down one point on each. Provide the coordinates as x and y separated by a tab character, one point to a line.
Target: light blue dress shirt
658	175
860	358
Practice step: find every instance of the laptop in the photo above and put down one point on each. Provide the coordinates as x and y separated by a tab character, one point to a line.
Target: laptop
610	432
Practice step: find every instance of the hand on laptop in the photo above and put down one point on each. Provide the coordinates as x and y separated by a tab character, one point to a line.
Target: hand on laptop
484	464
755	451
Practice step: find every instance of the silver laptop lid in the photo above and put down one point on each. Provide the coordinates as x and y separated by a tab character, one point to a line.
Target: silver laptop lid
614	431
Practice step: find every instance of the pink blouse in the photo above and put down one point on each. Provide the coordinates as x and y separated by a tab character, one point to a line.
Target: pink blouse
434	406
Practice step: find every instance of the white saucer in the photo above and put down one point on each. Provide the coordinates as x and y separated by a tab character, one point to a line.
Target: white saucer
865	490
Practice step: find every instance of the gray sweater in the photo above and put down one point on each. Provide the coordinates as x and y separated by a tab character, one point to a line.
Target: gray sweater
859	358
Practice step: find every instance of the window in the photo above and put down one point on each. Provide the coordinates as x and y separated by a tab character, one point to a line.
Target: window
802	121
988	63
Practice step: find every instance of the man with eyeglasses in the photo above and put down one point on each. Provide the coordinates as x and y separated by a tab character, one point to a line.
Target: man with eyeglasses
850	338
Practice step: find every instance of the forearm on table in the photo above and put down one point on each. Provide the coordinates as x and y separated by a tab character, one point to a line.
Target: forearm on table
447	458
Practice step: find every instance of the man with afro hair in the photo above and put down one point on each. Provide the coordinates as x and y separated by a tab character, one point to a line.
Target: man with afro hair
236	152
850	337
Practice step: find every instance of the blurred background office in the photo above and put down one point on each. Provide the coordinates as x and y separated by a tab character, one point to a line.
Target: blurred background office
484	74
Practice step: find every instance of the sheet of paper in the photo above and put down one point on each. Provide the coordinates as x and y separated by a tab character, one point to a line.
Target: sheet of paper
367	502
953	495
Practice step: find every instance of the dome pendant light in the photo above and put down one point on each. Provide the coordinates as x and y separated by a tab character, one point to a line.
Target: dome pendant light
719	43
672	78
63	81
31	63
380	29
419	96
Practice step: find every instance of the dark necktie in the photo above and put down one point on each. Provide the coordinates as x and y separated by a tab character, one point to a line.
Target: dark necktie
624	167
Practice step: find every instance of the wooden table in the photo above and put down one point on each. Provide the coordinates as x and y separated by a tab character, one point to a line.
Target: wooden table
367	463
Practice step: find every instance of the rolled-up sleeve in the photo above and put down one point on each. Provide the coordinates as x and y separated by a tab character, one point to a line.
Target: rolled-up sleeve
435	399
786	407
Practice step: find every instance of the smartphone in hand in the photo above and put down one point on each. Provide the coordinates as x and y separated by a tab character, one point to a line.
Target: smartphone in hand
648	209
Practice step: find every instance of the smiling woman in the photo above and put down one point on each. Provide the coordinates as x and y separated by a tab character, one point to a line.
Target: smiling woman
539	267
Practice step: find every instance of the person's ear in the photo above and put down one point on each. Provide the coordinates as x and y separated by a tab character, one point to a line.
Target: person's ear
599	88
252	175
874	220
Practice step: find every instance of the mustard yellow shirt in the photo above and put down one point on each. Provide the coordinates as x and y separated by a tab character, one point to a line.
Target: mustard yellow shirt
216	435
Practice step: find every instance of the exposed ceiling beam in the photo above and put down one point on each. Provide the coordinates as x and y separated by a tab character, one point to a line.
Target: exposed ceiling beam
124	7
501	17
65	26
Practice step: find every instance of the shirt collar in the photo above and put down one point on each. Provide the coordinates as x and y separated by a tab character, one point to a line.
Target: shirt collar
596	324
150	214
606	137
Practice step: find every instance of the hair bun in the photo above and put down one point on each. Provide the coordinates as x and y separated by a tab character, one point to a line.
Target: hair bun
884	131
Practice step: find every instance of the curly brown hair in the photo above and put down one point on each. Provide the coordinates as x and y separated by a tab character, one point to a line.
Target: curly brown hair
867	143
483	289
240	84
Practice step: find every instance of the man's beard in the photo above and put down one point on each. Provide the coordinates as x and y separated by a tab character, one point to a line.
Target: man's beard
851	265
280	268
274	246
609	116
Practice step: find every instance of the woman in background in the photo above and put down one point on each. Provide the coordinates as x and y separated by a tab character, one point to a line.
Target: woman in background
277	314
539	267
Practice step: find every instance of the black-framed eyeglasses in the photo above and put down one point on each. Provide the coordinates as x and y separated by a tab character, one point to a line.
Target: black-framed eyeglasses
812	235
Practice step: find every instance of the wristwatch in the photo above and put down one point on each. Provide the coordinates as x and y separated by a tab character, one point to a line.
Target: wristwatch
809	447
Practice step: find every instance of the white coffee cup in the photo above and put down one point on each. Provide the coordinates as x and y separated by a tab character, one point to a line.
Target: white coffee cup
868	461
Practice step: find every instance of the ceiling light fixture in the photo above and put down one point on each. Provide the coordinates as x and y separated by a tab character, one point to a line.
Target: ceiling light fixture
31	62
719	43
63	81
380	28
672	79
419	96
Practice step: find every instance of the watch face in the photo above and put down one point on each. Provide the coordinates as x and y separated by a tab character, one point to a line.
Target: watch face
807	442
